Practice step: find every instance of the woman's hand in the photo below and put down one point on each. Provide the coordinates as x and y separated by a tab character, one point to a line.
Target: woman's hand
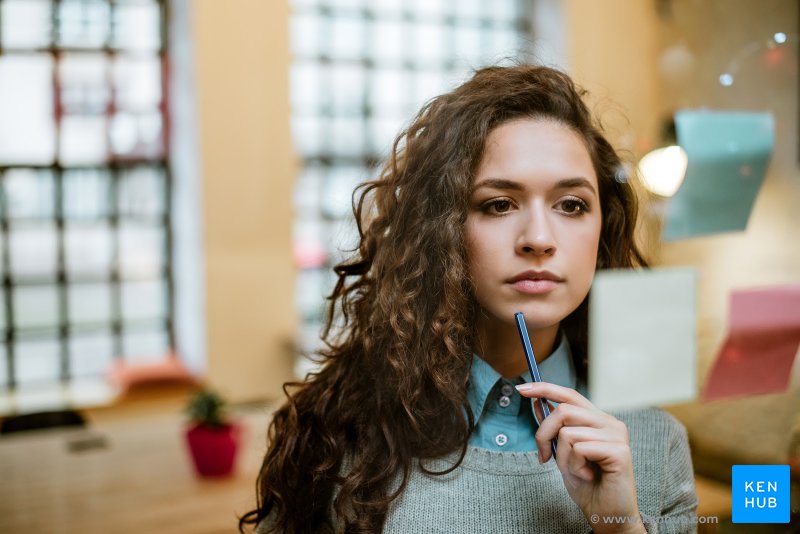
593	455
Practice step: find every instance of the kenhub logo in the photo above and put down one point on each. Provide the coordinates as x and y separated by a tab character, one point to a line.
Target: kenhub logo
760	494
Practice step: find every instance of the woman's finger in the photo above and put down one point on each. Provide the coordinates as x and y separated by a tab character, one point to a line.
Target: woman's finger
569	416
553	392
608	456
568	461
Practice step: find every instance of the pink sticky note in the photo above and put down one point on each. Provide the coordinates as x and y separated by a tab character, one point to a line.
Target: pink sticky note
763	338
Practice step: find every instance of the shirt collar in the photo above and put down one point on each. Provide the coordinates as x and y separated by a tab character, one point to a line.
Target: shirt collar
557	368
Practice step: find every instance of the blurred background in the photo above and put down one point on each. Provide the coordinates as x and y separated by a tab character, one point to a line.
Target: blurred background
176	176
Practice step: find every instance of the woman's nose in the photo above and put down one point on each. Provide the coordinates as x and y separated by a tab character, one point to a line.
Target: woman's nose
536	234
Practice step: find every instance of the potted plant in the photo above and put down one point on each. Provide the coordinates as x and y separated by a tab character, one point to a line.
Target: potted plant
212	438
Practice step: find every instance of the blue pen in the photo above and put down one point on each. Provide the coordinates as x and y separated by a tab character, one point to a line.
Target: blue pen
533	368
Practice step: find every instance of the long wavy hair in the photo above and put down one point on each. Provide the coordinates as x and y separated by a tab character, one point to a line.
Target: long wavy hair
392	387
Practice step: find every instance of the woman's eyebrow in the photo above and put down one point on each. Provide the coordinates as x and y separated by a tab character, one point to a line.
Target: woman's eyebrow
499	183
511	185
569	183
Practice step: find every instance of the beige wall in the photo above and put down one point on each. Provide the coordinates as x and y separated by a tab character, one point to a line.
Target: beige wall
247	170
614	49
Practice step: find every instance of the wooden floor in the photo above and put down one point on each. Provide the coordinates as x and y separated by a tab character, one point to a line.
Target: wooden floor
129	471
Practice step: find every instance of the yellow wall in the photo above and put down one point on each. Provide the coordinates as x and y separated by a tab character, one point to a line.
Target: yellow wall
614	50
247	169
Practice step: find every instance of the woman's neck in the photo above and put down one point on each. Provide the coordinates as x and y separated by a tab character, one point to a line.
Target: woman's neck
499	345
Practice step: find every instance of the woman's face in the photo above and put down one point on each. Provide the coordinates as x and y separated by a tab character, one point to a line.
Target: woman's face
533	224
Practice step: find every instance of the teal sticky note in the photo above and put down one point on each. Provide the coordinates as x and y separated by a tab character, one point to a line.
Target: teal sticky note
728	153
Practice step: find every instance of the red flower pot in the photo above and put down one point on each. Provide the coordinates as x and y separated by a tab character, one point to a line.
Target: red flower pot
213	449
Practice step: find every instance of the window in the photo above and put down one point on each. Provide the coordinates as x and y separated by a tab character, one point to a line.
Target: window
362	69
85	257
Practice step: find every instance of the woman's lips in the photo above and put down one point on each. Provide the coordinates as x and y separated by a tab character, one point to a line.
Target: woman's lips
535	287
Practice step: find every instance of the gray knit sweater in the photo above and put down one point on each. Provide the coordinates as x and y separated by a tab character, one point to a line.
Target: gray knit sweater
510	492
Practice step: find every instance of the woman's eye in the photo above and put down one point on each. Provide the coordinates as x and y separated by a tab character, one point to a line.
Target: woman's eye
497	206
574	206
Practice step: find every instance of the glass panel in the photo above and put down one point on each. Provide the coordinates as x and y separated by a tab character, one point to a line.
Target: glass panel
136	134
35	306
141	192
429	43
141	251
3	363
88	250
3	324
387	8
427	85
25	23
347	37
505	11
310	294
27	128
468	43
33	249
305	35
307	135
348	82
504	42
83	23
83	140
86	193
469	9
349	139
145	346
89	303
307	189
306	85
348	5
91	354
137	83
144	300
37	360
343	239
389	90
137	26
84	86
388	40
429	9
308	242
383	130
29	193
337	190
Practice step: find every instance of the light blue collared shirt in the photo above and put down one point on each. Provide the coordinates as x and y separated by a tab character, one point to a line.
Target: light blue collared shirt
503	422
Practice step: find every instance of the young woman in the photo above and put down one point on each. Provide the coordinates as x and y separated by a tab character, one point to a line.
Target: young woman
501	196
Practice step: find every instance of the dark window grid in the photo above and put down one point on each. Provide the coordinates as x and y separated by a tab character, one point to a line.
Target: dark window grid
368	157
118	323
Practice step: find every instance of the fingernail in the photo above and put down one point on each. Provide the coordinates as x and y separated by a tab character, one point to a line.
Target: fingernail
539	455
524	387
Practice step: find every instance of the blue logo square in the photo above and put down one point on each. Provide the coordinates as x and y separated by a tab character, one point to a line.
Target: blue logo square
760	493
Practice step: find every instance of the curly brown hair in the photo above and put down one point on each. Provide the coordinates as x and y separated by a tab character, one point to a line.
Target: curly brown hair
392	388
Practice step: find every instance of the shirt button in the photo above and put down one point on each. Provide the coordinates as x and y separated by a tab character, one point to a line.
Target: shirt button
504	401
501	439
506	390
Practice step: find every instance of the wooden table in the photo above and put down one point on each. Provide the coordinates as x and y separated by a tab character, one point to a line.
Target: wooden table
132	475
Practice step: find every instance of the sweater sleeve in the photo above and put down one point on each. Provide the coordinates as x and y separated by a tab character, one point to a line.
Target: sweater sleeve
679	509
